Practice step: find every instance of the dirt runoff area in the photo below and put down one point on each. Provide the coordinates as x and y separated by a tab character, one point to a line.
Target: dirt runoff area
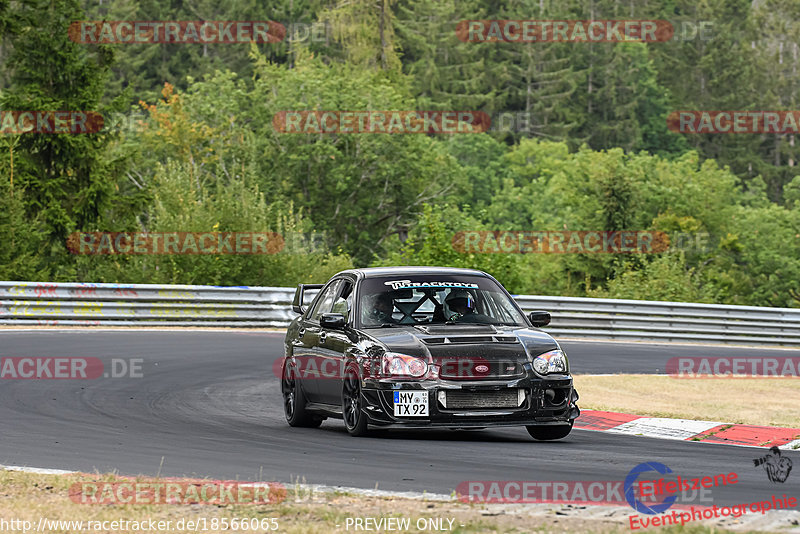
52	503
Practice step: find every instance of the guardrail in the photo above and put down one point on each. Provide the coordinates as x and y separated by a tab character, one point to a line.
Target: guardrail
643	320
40	303
35	303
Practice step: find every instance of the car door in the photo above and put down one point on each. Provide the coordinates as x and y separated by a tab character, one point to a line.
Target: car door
309	335
333	344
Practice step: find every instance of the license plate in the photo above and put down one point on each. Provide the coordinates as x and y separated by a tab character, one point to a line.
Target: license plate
411	403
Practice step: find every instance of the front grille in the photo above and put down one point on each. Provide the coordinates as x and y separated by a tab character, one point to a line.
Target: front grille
505	398
469	369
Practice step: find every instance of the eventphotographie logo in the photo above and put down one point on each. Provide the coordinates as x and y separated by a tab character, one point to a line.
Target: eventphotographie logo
630	485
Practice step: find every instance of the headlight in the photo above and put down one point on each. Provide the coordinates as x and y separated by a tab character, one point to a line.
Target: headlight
401	365
554	361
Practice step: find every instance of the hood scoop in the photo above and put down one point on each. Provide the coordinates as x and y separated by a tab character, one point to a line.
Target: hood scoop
443	335
444	330
443	340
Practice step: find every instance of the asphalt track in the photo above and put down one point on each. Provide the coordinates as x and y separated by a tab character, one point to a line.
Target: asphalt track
209	404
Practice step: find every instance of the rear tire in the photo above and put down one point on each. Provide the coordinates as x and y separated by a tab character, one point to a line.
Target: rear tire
549	432
294	401
355	420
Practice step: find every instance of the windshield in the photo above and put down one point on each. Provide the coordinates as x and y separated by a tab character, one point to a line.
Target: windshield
435	299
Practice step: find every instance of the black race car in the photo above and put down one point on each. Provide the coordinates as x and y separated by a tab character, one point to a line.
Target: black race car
423	347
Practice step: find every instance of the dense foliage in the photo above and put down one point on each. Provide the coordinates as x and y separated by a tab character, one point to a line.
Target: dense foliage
190	145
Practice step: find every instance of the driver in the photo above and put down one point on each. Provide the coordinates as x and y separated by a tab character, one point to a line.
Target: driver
462	303
382	308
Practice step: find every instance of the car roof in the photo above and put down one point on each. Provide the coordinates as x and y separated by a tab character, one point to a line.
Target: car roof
374	272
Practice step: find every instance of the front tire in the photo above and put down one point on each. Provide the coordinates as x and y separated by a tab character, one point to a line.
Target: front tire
294	401
549	432
355	421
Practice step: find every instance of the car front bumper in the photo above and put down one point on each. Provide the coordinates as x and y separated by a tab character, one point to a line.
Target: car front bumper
537	408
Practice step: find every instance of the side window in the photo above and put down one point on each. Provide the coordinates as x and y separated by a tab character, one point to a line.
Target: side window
344	300
325	302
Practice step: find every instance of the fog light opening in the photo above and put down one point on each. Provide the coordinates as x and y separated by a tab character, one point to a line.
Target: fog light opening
555	397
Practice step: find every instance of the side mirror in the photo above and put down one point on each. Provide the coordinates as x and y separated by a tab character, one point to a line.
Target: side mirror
334	321
539	318
297	302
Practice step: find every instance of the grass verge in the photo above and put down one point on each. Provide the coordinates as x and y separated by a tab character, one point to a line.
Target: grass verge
29	497
753	401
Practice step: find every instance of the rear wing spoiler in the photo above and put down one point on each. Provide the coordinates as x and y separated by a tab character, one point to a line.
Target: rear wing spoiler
297	303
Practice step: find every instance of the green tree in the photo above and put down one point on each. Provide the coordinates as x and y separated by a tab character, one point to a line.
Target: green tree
542	80
431	243
447	73
365	30
778	54
20	235
757	262
665	278
716	69
67	180
627	107
188	199
358	188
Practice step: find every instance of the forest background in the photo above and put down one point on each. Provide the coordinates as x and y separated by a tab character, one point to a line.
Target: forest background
580	142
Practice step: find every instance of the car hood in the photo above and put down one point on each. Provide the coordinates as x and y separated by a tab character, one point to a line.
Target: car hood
458	341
